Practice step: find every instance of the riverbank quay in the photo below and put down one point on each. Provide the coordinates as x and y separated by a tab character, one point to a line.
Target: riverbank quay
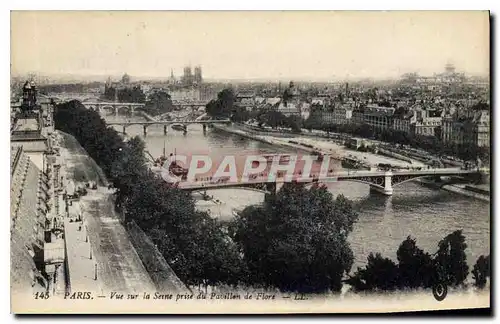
480	192
99	232
338	152
467	190
312	144
416	156
147	116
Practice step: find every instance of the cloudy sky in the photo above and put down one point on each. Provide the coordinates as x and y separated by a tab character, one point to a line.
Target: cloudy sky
264	45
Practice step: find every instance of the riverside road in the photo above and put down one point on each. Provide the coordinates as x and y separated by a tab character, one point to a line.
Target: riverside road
384	221
120	268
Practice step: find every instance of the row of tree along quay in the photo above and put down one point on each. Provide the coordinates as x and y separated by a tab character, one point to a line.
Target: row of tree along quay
296	241
429	143
224	107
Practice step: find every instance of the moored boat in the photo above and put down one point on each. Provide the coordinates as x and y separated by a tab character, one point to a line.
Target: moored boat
351	163
282	157
175	172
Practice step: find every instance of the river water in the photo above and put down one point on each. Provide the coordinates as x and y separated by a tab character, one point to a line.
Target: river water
384	222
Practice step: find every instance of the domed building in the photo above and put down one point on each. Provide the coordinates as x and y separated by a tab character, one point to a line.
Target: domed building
125	79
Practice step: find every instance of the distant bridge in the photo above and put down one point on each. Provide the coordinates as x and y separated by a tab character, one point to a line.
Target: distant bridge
64	97
89	101
166	123
380	181
101	107
190	103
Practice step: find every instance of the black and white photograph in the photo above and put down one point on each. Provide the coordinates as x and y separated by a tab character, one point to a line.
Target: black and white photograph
250	162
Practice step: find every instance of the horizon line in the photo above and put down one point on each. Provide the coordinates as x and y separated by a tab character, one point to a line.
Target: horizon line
99	77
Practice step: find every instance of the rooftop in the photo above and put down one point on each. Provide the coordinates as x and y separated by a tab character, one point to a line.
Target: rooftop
26	124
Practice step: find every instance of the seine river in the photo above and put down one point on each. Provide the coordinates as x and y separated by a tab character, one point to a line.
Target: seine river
384	222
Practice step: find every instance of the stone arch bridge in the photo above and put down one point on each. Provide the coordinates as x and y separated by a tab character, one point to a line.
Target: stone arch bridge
115	107
166	123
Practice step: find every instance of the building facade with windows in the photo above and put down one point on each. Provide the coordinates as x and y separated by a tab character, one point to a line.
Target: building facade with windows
427	126
403	120
379	117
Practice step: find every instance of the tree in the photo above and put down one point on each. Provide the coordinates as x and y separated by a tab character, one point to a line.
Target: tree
275	119
223	106
159	102
297	241
451	259
240	114
109	92
129	166
294	123
314	121
133	94
415	267
481	271
195	246
213	108
380	274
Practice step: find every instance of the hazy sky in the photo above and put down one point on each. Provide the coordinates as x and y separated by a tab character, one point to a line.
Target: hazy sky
249	44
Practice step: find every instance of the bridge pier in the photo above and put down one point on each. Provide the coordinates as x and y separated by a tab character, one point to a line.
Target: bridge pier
123	130
271	191
484	178
165	127
384	191
145	130
387	189
116	111
204	127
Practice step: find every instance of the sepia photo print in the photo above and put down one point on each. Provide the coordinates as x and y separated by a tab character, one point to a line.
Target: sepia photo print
182	162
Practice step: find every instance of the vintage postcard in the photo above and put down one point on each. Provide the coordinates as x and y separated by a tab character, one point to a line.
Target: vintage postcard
182	162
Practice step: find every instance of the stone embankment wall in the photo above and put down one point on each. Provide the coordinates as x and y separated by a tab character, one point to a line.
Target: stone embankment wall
160	272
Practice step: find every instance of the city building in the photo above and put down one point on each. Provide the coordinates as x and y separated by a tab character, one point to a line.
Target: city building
209	92
482	129
187	77
125	79
172	79
289	108
273	101
31	127
245	99
342	114
34	175
472	128
378	117
447	128
305	110
185	94
28	209
426	119
198	77
427	125
358	115
403	121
